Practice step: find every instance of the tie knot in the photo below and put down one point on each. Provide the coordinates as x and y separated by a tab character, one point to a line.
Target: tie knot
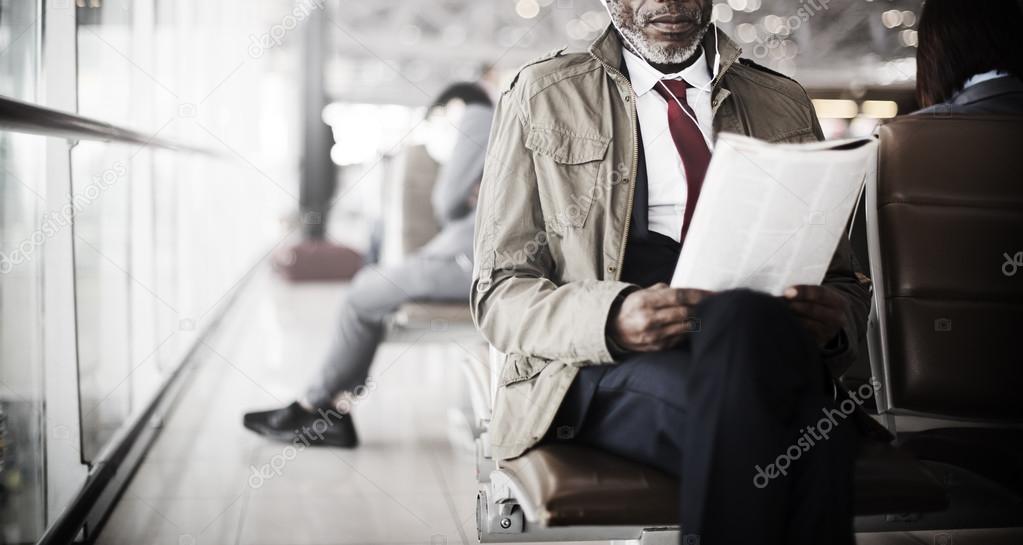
669	88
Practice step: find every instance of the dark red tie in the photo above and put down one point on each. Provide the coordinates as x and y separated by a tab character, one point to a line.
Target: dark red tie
689	142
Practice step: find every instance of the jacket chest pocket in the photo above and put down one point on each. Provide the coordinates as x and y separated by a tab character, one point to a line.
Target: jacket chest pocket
568	168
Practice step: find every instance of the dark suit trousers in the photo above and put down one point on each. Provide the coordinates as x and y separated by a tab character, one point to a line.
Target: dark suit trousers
731	412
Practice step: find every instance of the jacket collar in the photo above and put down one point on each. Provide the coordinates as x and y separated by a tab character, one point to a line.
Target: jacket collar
607	49
988	89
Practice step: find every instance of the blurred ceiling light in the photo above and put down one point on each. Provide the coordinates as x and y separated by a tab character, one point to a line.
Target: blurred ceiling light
737	5
879	109
836	109
891	18
746	32
909	37
752	5
722	13
908	18
772	23
527	9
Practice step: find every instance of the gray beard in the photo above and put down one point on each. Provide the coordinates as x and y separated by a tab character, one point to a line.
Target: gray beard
653	53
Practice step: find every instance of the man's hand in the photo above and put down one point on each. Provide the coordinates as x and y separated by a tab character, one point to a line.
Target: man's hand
821	309
655	318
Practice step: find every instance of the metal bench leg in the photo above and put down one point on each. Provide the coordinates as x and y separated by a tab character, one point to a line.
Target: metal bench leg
495	519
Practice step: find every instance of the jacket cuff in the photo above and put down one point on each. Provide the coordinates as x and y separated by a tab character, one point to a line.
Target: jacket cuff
609	297
617	351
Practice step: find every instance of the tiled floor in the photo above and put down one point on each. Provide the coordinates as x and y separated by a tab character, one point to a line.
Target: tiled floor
405	484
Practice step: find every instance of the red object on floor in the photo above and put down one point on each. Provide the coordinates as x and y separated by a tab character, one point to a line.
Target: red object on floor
317	261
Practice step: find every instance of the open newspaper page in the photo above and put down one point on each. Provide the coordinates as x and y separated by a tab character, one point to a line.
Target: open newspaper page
771	215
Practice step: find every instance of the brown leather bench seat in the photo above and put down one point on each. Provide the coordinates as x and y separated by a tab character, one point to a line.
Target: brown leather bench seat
571	485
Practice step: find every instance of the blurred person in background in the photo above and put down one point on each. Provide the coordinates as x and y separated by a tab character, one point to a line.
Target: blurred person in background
440	270
969	60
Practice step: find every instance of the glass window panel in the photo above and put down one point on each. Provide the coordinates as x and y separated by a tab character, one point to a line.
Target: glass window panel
22	432
19	36
115	75
22	438
101	185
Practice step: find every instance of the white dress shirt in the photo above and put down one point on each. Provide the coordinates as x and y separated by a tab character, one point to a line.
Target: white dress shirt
666	176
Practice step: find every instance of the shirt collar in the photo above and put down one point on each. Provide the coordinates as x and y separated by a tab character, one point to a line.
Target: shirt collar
979	78
644	77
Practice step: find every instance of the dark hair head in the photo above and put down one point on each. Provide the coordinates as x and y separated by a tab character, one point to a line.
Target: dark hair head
959	39
469	93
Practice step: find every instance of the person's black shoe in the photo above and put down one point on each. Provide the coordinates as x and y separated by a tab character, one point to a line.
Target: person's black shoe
294	424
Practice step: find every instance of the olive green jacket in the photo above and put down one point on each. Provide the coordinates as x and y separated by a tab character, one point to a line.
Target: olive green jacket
554	213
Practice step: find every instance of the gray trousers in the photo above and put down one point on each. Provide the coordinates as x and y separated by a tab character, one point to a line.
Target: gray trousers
373	295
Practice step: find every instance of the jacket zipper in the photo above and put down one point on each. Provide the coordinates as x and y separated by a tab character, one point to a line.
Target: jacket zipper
632	171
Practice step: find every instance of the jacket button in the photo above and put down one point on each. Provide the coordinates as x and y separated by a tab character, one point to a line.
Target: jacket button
611	268
628	99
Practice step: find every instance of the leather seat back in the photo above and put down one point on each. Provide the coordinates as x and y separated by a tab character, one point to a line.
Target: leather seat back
948	221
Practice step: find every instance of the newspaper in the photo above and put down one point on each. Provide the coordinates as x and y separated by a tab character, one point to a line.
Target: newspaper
770	216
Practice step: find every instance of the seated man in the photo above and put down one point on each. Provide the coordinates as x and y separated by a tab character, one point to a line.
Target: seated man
440	270
593	172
